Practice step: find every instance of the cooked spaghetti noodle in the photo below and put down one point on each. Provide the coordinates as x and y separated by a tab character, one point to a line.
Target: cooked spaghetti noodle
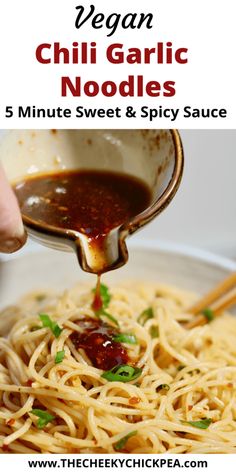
54	400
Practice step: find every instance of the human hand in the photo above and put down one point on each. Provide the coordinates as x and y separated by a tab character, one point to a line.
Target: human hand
12	233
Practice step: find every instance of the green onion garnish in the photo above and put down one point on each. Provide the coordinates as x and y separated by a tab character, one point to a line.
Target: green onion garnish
201	424
125	338
105	295
44	417
52	325
145	315
122	373
154	332
106	298
119	445
59	357
100	313
208	313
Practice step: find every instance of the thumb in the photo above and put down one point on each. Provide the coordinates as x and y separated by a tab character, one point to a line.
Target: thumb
12	233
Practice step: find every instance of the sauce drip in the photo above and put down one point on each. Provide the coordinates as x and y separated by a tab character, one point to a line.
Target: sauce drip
97	301
97	341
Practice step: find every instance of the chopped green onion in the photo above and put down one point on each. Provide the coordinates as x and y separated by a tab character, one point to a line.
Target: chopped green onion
100	313
44	417
48	323
56	330
105	295
163	387
154	332
119	445
122	373
59	357
201	424
106	298
125	338
208	313
145	315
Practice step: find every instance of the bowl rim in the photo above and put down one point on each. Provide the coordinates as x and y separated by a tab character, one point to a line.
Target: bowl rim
146	244
185	250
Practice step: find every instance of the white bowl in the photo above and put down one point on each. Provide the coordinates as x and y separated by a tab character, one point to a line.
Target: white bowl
185	267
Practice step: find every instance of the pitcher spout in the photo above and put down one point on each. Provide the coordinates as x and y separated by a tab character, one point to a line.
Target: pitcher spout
101	255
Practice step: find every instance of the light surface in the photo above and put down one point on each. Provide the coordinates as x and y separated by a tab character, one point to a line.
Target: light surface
190	269
203	212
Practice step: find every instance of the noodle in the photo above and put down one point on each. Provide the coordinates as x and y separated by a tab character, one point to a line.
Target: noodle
184	400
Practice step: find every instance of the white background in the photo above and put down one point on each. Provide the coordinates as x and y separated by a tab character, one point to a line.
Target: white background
206	28
203	212
215	462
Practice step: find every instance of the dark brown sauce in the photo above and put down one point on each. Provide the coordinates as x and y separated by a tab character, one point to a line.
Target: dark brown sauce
90	202
97	301
97	341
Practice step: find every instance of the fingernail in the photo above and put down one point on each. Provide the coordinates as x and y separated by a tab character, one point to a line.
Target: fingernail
12	244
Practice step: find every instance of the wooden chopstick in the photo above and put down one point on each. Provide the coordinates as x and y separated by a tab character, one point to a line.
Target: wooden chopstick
224	302
221	297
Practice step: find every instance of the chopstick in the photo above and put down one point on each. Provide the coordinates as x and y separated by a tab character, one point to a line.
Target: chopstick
219	299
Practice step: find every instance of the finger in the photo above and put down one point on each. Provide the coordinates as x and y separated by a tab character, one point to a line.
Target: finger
12	233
